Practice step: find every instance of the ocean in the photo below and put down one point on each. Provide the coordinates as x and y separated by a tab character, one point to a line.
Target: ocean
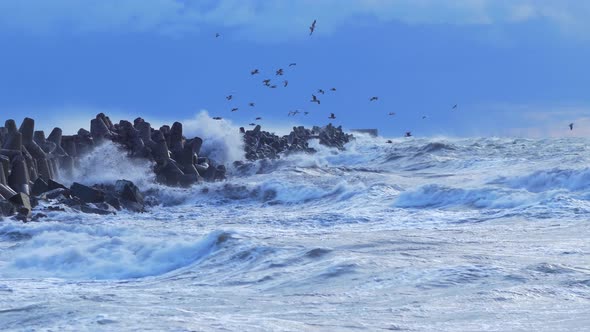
437	234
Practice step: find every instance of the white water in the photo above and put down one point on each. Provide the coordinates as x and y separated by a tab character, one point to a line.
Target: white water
419	235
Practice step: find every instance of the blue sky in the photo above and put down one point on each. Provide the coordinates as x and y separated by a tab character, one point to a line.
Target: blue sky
514	67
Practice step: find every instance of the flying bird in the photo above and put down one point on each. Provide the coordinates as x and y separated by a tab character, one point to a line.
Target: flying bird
571	125
306	113
258	118
217	118
314	99
280	72
391	113
389	141
312	27
234	109
229	97
252	104
332	116
217	35
455	107
285	83
252	124
424	117
292	64
254	72
273	86
374	99
266	82
321	91
295	112
333	89
408	134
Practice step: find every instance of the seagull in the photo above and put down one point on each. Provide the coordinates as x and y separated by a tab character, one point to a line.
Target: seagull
455	107
391	113
251	104
408	134
315	99
374	98
254	72
229	97
312	27
266	82
217	35
280	72
332	116
306	113
258	118
285	83
333	89
252	124
273	86
389	141
295	112
217	118
571	126
424	117
321	91
292	64
234	109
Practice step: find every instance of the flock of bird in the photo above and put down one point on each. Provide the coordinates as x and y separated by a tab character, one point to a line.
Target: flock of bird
314	99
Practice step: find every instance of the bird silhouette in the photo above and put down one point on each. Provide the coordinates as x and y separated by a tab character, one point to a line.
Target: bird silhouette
292	64
315	99
305	113
252	104
266	82
333	89
374	98
391	113
254	72
217	118
217	35
455	107
389	141
571	125
312	27
229	97
273	86
280	72
252	124
424	117
332	116
258	118
408	134
285	83
321	91
234	109
295	112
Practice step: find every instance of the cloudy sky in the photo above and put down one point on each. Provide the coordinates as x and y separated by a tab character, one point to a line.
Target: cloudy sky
513	67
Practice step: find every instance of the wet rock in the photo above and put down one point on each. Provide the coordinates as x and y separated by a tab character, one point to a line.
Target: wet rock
39	187
22	203
128	191
52	185
7	209
99	208
87	194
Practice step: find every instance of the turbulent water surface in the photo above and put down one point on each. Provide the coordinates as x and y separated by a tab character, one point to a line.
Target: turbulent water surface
419	235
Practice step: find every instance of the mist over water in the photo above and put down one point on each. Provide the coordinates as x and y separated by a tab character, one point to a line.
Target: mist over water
420	235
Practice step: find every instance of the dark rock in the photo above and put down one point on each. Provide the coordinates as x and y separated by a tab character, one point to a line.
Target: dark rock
19	176
56	193
100	209
52	185
87	194
7	209
39	187
128	191
22	202
38	216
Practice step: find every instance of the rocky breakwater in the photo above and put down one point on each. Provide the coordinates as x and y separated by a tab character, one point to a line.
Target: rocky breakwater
31	163
261	144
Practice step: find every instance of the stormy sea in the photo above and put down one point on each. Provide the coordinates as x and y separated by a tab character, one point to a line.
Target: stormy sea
437	234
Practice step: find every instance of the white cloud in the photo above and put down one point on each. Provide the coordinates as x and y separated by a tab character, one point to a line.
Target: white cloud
275	17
